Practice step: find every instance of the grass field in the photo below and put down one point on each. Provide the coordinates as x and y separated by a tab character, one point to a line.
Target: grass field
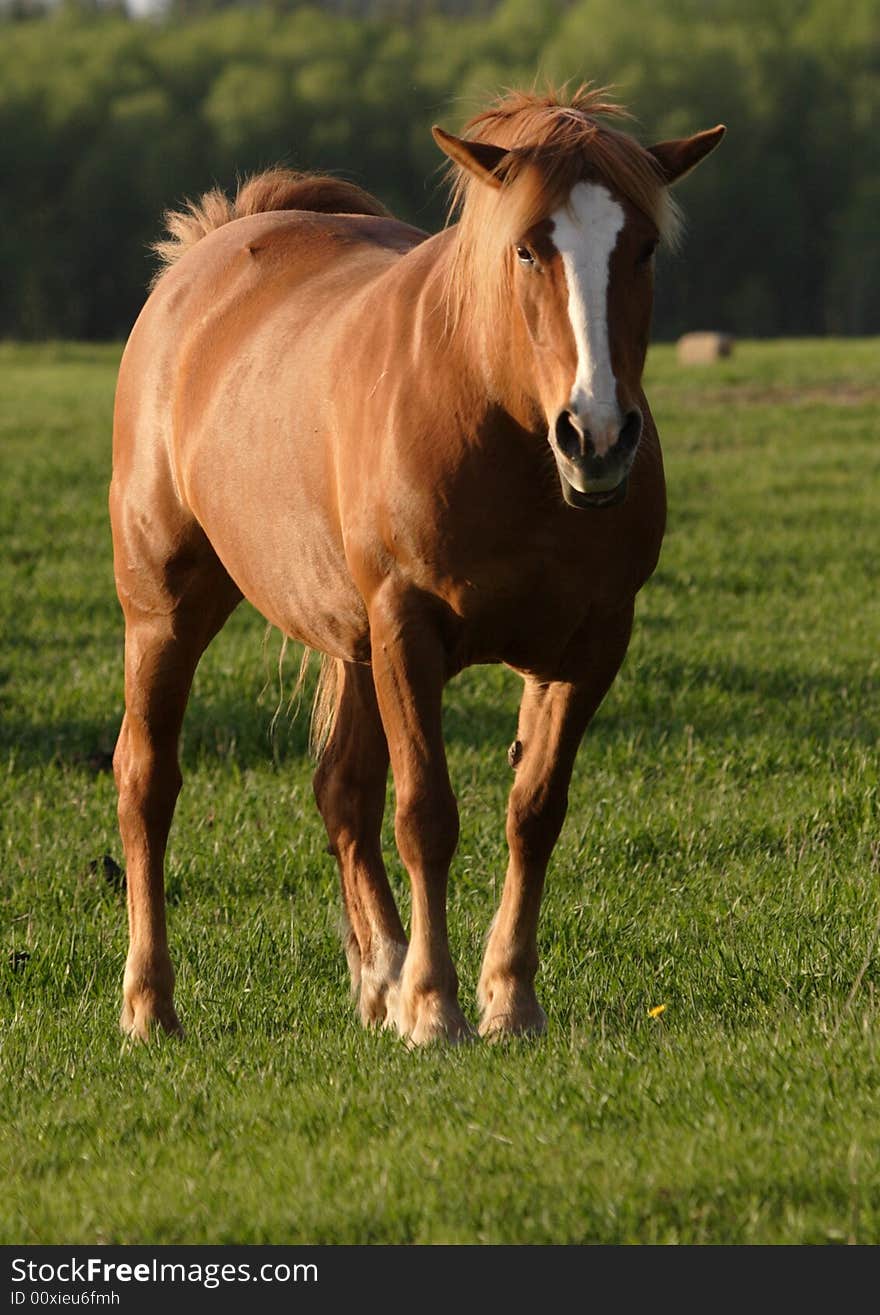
721	857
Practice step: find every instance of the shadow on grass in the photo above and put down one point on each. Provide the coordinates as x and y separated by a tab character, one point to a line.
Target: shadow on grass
716	697
711	698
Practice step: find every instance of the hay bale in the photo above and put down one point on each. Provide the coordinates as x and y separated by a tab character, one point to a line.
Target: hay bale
702	348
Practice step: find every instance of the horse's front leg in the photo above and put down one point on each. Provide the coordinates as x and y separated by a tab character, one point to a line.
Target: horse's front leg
552	720
409	671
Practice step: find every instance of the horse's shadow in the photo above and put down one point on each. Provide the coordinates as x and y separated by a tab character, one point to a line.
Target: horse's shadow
235	727
703	698
717	699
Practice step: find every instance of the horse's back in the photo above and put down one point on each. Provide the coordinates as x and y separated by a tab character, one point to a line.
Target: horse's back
285	248
245	273
259	298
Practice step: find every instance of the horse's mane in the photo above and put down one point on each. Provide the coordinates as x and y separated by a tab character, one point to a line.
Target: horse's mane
275	189
554	140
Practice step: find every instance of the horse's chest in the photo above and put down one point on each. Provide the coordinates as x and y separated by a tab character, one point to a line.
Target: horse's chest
524	609
519	570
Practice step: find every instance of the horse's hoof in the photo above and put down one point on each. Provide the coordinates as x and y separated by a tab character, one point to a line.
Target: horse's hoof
503	1027
451	1028
428	1019
511	1011
144	1019
379	982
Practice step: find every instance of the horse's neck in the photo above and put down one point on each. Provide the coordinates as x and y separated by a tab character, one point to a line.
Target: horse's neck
483	357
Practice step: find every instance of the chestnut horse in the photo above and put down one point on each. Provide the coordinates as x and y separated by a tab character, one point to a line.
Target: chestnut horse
411	454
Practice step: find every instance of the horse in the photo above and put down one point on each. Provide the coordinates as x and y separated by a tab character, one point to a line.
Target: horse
411	454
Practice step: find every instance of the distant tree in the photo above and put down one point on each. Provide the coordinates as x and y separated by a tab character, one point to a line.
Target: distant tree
105	121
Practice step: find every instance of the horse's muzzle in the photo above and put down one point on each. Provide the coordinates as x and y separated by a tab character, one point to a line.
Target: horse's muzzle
611	498
591	478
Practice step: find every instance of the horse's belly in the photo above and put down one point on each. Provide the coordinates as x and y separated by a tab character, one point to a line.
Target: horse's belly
272	530
310	601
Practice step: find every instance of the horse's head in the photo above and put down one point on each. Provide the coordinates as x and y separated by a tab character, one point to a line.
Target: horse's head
560	221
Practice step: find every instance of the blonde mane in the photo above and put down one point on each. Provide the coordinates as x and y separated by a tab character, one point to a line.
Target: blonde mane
554	141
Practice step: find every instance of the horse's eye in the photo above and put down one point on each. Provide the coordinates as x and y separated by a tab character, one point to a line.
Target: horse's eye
524	256
646	254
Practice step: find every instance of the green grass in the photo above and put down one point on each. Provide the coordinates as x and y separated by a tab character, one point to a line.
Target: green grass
720	857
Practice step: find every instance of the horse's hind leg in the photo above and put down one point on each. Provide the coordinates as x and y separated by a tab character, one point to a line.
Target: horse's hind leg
350	792
172	611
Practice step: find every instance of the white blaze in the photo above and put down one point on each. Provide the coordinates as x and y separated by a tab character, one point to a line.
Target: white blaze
585	234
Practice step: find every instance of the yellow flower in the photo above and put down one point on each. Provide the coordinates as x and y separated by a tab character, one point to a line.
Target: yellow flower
656	1011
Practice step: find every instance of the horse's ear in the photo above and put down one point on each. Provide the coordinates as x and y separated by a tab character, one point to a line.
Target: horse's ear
677	158
480	158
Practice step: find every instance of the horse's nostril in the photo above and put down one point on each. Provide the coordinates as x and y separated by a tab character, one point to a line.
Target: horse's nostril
631	431
570	440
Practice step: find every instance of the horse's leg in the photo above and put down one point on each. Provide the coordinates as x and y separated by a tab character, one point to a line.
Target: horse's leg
170	617
552	720
409	671
350	792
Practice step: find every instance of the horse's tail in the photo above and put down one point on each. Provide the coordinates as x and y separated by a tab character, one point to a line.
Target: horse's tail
276	189
326	703
326	700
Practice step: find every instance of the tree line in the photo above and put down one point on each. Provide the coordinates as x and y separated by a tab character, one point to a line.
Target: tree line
106	120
